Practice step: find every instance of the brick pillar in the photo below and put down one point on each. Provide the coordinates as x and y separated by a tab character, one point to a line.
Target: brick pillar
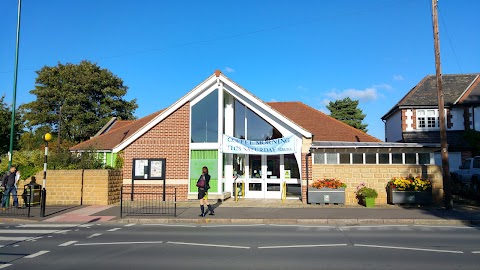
306	163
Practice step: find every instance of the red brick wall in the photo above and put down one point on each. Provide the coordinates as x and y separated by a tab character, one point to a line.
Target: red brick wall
168	139
403	119
145	191
304	173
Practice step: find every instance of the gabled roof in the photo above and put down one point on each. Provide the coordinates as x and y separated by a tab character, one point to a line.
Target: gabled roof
322	126
119	132
424	94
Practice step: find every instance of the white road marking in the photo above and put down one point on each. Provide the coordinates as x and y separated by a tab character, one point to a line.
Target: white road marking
408	248
476	252
206	245
47	225
233	225
304	246
119	243
130	225
452	227
2	246
170	225
28	231
302	226
5	265
114	229
37	254
67	243
34	238
7	238
62	231
94	235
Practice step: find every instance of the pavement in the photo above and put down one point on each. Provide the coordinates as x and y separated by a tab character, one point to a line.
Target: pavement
254	211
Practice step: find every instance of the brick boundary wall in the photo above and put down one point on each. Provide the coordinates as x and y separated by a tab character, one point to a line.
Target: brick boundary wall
377	177
64	187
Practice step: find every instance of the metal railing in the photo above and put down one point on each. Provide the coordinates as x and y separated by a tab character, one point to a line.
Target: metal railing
19	205
148	203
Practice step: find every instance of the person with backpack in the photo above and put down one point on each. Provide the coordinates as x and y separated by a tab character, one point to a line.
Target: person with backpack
203	185
9	184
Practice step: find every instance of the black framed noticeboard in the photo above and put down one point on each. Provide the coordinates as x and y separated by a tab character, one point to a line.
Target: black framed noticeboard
148	169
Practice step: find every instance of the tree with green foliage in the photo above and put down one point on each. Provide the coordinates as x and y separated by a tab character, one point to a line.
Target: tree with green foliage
75	100
347	111
5	127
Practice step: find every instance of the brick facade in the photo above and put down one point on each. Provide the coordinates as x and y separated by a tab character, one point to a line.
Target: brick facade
377	177
168	139
156	191
306	161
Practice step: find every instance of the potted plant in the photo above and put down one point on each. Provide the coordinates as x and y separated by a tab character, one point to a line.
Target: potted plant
410	190
327	190
366	195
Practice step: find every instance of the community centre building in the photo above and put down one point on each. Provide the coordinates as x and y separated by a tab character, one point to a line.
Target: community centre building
271	147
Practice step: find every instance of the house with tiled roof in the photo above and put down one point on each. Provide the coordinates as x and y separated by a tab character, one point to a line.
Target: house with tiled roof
415	118
270	148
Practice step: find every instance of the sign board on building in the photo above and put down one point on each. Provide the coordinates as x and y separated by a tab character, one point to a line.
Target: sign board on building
278	146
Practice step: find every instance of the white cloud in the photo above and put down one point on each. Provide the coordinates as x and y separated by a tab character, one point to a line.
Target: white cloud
398	77
273	100
367	94
229	70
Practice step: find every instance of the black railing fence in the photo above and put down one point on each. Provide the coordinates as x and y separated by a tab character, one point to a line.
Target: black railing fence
19	205
141	203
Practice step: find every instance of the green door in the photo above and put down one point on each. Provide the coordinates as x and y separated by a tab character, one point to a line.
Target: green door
200	158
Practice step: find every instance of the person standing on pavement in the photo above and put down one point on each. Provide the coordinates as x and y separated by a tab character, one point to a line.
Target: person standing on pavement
203	185
9	183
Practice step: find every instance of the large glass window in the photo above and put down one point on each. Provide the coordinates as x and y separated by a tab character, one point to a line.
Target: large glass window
357	158
427	119
290	164
423	158
318	158
383	158
344	158
239	165
410	158
273	167
258	129
205	119
332	158
255	166
397	158
239	125
371	158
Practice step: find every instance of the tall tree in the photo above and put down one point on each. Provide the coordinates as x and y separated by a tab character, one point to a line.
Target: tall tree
5	125
76	100
347	111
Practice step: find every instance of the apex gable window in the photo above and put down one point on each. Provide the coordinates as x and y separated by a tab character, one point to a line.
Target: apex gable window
205	119
251	126
427	119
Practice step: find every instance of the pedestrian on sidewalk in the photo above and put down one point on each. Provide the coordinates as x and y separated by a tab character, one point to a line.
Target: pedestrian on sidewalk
203	185
9	184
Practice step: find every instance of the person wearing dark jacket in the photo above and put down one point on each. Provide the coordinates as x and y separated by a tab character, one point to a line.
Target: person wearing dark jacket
203	185
9	182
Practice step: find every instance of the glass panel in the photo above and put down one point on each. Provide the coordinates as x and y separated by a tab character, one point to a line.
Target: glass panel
292	166
258	129
421	122
273	187
383	158
255	166
431	121
397	158
205	119
430	112
410	158
420	112
423	158
357	158
239	125
370	158
318	158
476	163
332	158
239	165
255	186
345	158
273	167
294	190
200	158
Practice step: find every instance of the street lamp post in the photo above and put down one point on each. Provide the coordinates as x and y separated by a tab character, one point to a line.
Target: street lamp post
47	137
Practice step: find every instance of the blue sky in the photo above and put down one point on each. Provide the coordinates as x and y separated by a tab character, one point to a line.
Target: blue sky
308	51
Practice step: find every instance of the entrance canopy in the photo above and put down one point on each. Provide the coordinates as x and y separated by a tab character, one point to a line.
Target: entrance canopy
278	146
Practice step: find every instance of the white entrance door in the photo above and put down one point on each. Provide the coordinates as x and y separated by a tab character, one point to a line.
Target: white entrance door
273	177
255	183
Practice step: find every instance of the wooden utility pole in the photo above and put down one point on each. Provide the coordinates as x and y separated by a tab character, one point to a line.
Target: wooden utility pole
447	185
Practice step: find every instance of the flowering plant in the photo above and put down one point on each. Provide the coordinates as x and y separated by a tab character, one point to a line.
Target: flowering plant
410	183
328	183
365	192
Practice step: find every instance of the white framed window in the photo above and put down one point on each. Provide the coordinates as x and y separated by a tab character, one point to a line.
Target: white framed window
427	119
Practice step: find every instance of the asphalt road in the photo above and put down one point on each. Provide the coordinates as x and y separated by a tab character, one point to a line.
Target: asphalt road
155	246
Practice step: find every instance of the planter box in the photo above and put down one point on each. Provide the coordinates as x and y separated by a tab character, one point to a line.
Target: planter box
409	197
326	195
369	202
